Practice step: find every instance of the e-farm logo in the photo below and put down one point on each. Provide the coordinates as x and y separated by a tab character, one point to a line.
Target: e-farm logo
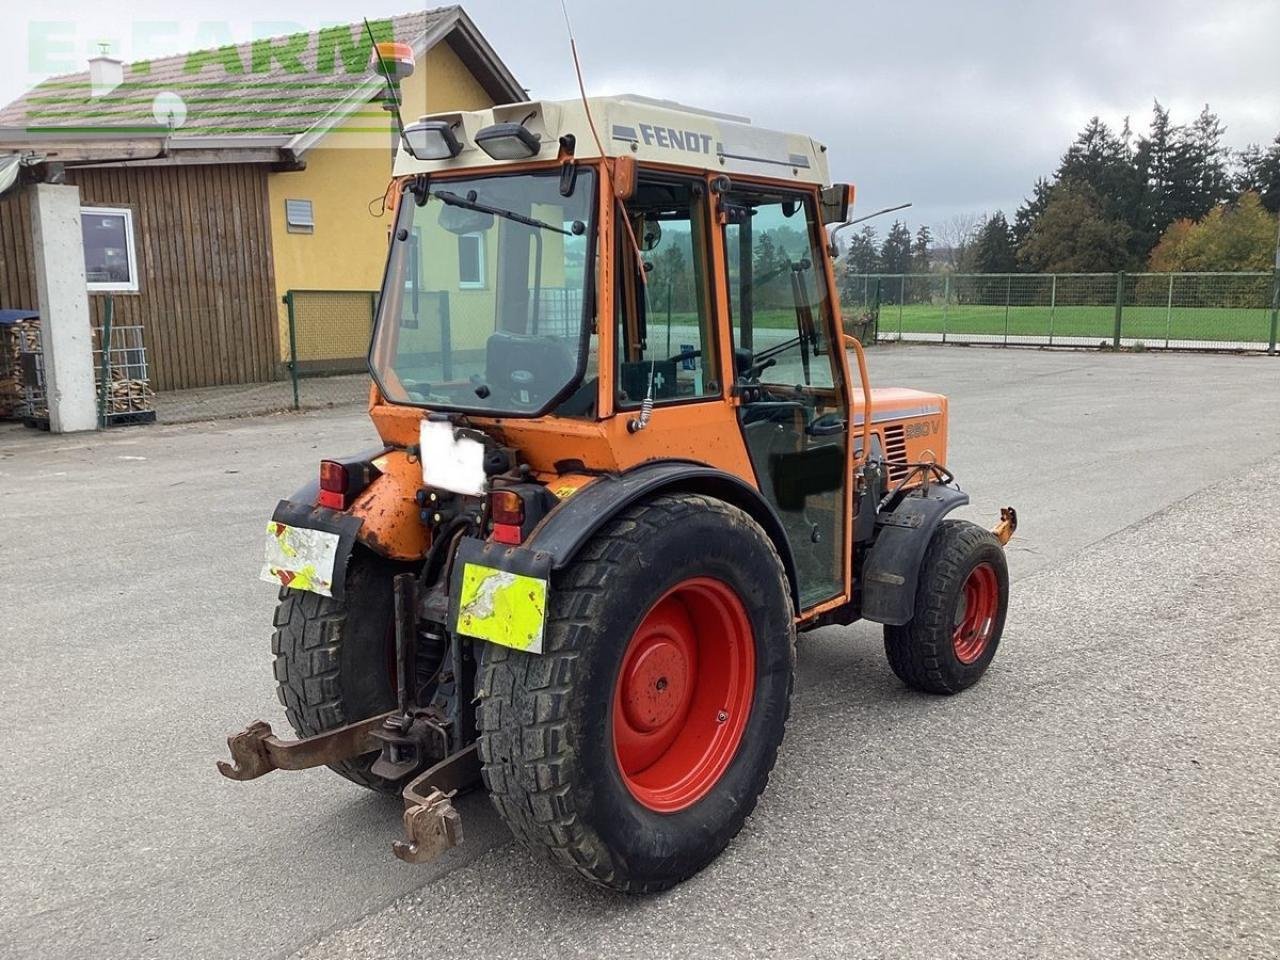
290	65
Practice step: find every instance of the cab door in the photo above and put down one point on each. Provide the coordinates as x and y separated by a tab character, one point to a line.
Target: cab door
789	385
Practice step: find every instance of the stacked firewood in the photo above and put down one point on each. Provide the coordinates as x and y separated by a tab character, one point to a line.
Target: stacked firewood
15	338
126	395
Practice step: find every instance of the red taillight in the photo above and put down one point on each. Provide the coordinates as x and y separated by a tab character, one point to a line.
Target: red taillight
506	510
333	485
506	506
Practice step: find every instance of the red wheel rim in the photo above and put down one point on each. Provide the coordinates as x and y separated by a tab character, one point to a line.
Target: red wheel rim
975	618
683	694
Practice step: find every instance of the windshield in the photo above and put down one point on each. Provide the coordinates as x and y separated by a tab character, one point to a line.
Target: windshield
483	305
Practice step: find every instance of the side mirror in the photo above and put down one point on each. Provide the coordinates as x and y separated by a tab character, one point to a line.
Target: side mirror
837	201
651	236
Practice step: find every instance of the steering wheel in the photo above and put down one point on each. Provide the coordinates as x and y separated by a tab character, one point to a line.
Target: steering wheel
827	425
760	366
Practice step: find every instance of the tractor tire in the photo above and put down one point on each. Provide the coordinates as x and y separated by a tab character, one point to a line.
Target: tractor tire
331	658
634	747
962	597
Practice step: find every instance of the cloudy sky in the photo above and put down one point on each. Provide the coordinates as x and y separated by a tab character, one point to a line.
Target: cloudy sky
954	106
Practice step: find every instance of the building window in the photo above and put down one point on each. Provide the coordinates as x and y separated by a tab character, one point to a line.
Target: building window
299	217
471	261
110	261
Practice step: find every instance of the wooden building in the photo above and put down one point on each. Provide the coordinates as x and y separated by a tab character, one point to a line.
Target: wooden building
214	182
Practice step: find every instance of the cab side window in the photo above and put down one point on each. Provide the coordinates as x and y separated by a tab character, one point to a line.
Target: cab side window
778	294
666	333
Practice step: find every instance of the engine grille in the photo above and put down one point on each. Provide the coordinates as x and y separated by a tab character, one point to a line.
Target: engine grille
895	452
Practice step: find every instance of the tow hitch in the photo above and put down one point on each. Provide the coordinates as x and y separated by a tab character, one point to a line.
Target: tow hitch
407	738
431	823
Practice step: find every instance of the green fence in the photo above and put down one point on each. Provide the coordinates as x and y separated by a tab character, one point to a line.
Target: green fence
1197	311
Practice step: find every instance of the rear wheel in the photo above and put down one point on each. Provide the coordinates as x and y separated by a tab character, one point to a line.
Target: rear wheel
335	660
961	599
633	749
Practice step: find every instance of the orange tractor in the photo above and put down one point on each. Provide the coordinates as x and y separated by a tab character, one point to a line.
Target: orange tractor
625	459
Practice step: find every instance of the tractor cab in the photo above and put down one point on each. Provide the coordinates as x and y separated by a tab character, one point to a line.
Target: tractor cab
625	459
670	298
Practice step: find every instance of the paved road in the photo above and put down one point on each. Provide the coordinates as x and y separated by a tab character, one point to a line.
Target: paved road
1111	788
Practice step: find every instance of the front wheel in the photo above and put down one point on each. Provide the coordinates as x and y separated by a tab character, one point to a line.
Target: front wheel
961	599
634	747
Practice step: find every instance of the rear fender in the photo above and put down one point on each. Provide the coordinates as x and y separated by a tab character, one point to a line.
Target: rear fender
891	571
384	517
568	527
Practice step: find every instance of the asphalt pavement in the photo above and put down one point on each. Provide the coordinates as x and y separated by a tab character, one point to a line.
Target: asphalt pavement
1111	788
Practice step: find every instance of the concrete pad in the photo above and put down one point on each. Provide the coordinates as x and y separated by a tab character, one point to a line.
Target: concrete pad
1054	809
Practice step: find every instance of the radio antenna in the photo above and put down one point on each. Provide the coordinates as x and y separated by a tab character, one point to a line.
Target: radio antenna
586	106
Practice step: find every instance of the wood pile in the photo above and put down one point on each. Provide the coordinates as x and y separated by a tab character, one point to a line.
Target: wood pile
15	338
127	395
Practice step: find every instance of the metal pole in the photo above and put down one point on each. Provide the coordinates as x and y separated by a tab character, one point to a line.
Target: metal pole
1053	304
1008	293
946	300
104	368
293	348
1115	342
1275	308
1168	314
1275	298
875	309
902	299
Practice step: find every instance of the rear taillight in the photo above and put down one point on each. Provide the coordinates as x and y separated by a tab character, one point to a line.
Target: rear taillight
334	483
506	510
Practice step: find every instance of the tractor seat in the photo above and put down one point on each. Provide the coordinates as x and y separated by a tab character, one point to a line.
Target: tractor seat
527	370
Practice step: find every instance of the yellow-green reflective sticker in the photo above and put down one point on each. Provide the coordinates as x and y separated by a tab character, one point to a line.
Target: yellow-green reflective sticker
505	608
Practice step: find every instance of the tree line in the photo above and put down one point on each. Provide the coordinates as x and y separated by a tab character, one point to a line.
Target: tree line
1175	198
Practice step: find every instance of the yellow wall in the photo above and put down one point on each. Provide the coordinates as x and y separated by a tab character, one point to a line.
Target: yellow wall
344	172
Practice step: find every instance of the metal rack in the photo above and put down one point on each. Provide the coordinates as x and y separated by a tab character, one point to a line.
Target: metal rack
120	373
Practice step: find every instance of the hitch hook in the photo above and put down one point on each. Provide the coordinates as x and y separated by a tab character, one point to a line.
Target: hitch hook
1008	523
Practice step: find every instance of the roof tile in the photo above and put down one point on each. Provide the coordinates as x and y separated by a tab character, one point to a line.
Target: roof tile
281	85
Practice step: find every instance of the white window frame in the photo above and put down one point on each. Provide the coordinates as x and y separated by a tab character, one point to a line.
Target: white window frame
480	262
131	249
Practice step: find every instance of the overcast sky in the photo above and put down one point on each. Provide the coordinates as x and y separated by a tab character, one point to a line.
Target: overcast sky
955	106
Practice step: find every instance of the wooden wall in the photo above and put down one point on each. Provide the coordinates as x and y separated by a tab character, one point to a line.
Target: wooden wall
206	294
17	268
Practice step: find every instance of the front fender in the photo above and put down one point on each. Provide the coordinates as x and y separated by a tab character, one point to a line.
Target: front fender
892	568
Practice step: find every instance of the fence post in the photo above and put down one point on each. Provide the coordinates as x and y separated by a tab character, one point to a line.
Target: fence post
875	307
293	348
1008	293
1053	304
1275	306
902	299
946	300
1168	314
1115	342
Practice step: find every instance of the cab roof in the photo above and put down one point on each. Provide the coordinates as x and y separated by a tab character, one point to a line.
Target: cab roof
652	131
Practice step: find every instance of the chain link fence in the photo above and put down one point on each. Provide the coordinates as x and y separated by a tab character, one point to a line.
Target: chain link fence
325	334
1193	311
